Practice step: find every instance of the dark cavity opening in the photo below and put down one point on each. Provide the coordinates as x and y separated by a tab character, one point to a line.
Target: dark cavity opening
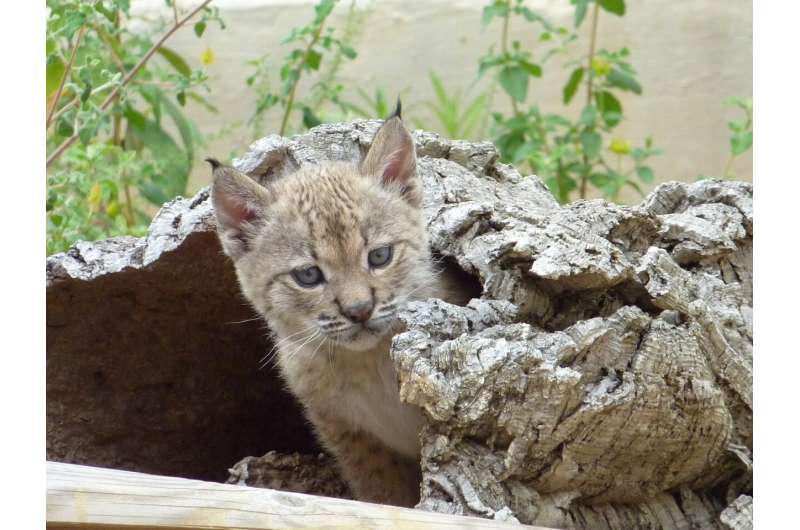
157	370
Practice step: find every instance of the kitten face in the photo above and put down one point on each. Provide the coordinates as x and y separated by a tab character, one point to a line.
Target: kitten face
331	251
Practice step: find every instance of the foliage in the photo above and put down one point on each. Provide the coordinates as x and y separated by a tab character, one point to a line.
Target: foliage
741	139
313	42
109	112
91	199
119	142
569	154
454	121
371	106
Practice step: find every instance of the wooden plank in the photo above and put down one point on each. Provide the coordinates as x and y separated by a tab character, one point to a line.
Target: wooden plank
91	497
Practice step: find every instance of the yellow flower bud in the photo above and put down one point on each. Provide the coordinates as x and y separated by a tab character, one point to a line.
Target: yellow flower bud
600	66
620	146
95	196
113	209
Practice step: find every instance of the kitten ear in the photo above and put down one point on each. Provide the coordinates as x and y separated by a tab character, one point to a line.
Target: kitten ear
240	204
392	158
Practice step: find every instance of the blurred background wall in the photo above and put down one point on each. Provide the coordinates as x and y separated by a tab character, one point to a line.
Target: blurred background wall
690	56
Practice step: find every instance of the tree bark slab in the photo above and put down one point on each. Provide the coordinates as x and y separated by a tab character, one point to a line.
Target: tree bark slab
603	378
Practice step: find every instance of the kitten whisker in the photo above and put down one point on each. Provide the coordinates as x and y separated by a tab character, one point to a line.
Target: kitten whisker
245	320
284	339
267	358
314	335
417	288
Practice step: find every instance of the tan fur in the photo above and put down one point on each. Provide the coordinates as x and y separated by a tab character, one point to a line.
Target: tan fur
331	216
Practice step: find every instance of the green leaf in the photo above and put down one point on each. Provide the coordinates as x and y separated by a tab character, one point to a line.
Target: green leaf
572	84
173	166
54	72
624	81
313	58
532	16
134	117
599	180
514	80
86	93
635	186
610	107
87	132
488	61
176	61
347	51
592	143
497	9
645	174
613	6
323	9
185	129
741	142
533	69
181	97
309	118
438	88
64	125
588	116
108	13
154	96
580	11
473	114
194	96
200	28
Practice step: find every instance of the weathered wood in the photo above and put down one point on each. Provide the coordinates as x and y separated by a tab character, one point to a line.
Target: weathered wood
603	379
91	497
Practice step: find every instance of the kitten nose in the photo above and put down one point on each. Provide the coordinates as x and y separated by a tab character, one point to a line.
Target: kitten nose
359	312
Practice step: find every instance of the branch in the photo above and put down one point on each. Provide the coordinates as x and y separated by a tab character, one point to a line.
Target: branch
504	49
290	101
589	79
60	90
127	79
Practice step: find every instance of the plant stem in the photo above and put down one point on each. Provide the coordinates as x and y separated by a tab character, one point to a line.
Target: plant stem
128	202
115	136
353	28
589	87
127	79
65	108
728	164
105	37
592	41
290	100
51	111
504	49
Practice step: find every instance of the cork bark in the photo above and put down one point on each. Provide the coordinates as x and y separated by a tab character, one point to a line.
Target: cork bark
603	378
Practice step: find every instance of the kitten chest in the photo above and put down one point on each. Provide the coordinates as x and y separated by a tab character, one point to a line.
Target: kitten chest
371	401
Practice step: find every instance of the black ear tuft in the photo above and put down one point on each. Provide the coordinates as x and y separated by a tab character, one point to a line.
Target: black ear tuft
397	110
215	164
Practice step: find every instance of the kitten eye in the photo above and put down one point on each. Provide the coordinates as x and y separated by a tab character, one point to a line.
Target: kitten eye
380	256
308	277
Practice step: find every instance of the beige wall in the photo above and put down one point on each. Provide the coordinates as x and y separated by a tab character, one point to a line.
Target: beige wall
690	55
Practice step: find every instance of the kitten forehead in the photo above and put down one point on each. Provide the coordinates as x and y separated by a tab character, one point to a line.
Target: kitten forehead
340	211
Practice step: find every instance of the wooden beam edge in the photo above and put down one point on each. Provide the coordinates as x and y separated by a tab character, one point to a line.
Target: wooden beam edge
83	496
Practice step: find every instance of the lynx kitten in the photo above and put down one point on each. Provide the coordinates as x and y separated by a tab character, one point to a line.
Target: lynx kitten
328	256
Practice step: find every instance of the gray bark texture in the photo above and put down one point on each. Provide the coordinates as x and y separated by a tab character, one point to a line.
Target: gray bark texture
603	380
